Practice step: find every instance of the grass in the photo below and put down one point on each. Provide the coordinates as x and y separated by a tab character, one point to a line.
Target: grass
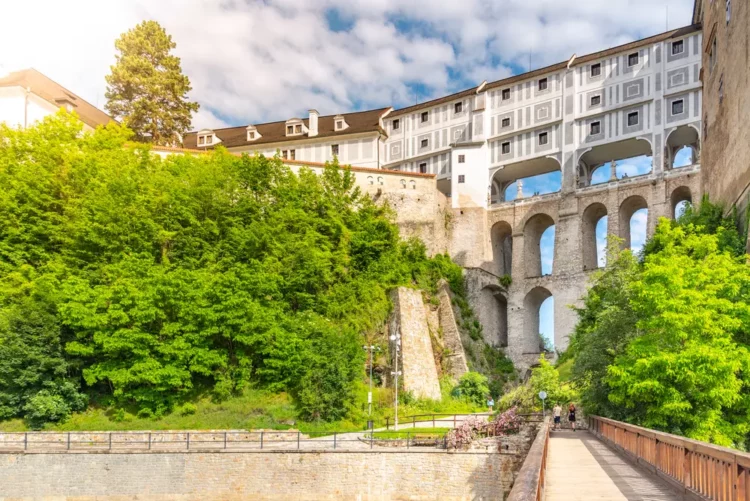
254	409
411	433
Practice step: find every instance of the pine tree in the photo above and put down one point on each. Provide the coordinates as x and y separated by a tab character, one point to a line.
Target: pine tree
146	88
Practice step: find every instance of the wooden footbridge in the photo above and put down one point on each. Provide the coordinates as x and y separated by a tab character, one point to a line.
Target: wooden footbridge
617	461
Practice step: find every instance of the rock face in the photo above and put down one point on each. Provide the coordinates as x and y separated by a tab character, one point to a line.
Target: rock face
456	365
409	319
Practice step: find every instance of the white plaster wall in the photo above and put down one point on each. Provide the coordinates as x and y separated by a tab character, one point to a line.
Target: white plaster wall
357	152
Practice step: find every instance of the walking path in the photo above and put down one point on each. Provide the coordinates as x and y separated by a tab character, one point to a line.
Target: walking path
580	467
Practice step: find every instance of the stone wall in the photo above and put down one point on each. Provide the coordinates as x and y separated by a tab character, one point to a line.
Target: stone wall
409	319
509	316
279	476
456	364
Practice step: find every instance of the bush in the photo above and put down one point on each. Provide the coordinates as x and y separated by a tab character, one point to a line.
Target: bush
545	377
473	387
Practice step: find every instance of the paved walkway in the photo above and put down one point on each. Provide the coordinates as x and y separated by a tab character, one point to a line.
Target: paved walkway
580	467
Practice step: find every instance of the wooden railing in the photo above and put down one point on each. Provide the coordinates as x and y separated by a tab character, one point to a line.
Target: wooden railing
529	484
703	470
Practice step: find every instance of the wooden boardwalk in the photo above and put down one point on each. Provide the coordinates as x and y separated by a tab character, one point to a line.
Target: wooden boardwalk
581	467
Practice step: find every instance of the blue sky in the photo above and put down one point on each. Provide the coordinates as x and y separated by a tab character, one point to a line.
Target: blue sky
256	61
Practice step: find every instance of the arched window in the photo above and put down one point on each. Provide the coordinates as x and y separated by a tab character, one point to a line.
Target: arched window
681	199
594	215
403	183
539	314
370	180
501	236
633	222
493	315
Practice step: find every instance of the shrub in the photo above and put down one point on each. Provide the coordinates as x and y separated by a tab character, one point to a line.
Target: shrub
473	387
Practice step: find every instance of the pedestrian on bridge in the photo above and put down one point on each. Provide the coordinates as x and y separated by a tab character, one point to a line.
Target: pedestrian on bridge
557	412
572	415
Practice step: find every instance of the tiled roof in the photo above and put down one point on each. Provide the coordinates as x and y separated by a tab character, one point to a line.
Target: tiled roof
275	132
51	91
434	102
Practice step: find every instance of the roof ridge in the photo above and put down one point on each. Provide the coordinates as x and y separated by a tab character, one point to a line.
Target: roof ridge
292	118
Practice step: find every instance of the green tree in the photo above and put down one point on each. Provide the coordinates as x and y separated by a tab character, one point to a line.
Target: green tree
473	387
685	372
545	378
146	88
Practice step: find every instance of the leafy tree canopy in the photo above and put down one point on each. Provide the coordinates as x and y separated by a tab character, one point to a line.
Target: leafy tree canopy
145	281
146	88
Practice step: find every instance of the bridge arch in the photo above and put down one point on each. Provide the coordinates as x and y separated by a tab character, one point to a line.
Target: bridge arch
533	230
628	208
532	303
679	195
591	217
682	140
501	236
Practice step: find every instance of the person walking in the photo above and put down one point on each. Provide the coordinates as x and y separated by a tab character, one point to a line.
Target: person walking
490	403
572	415
557	412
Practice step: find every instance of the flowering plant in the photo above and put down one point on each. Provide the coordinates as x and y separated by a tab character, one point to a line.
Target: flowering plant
472	428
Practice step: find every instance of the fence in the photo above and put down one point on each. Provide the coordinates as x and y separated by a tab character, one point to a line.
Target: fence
529	484
703	470
449	420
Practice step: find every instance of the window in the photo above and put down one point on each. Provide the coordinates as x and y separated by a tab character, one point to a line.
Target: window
596	100
595	128
461	159
201	140
291	155
506	122
423	168
370	180
285	154
251	135
729	10
425	116
506	94
505	148
339	124
335	150
542	138
423	143
298	129
458	107
632	118
678	47
461	179
633	59
396	124
678	107
289	130
542	84
596	69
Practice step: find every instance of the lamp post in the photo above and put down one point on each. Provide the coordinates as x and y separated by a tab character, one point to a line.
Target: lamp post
396	338
371	349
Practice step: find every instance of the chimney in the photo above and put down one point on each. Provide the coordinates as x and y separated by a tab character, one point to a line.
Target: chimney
312	126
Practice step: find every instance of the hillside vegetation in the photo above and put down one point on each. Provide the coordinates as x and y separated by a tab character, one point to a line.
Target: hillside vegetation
143	285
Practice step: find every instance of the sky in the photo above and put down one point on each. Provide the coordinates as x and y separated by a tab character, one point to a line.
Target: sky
255	61
261	60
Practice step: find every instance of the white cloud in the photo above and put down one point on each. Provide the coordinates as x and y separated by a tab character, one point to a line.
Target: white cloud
638	228
258	61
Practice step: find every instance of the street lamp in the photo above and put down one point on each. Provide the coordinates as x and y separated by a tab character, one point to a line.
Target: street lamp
371	349
396	338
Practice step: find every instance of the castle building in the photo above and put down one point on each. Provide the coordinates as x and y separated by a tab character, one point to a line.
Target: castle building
726	71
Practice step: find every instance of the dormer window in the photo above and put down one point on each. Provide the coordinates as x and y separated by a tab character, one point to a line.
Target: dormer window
633	59
294	127
396	124
206	138
252	133
339	123
458	108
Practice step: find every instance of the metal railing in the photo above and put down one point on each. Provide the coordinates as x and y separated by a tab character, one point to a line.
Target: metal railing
703	470
450	420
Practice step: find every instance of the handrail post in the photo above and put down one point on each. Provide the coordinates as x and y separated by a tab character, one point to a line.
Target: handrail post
261	440
298	434
334	439
68	440
25	441
149	440
225	440
187	439
387	423
110	440
407	439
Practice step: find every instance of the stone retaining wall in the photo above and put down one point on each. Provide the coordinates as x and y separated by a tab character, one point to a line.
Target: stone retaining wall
230	476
